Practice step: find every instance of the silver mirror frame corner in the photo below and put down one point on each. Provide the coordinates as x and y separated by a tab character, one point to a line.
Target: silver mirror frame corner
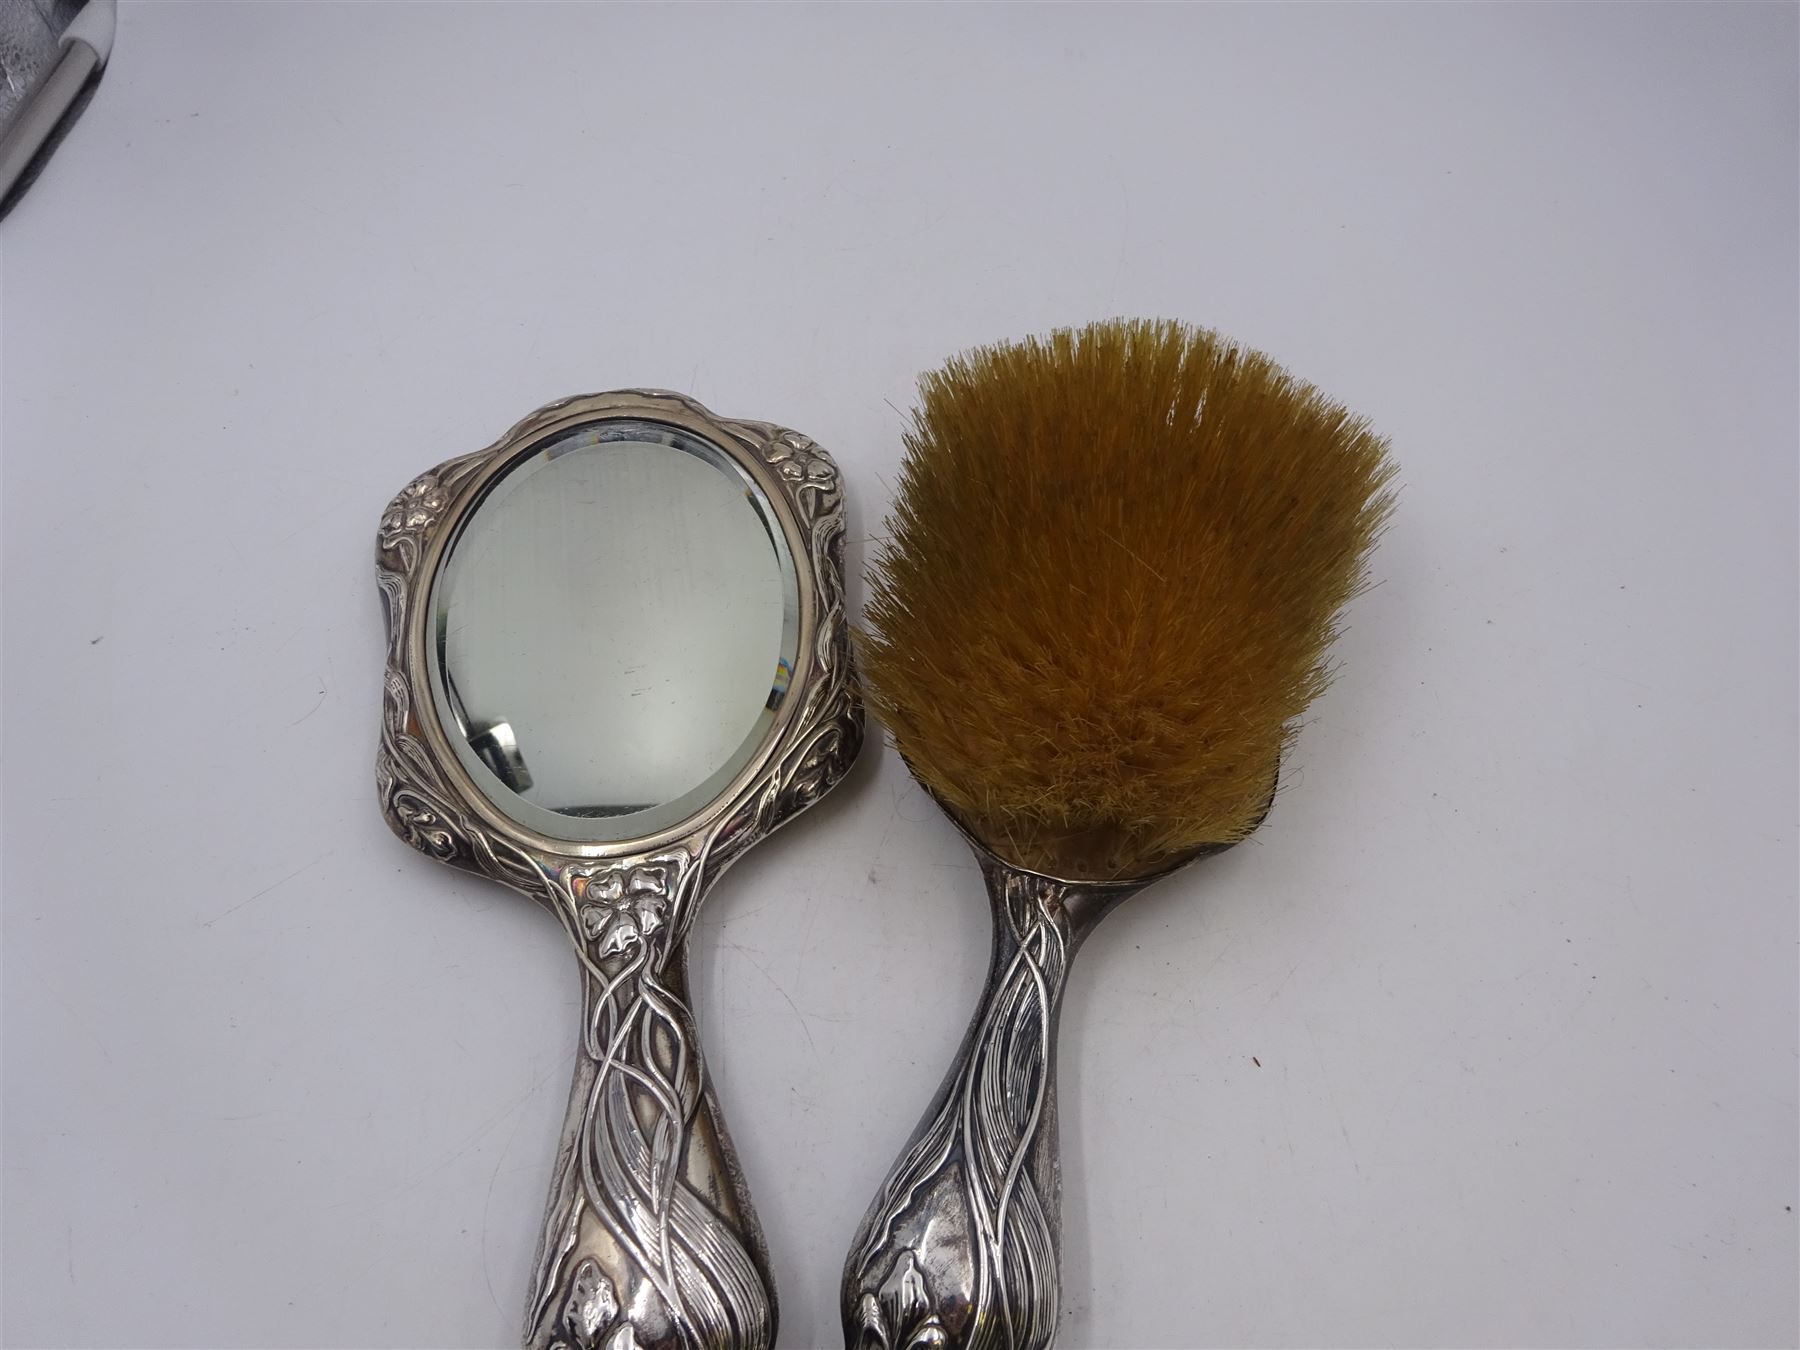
429	799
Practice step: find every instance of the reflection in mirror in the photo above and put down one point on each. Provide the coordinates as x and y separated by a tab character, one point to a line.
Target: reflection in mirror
613	630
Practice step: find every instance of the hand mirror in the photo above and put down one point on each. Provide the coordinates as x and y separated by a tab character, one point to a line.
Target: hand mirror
617	657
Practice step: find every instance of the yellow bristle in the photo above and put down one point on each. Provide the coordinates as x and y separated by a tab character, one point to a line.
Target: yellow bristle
1115	563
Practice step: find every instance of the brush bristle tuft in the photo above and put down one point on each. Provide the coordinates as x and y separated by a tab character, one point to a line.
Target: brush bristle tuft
1115	563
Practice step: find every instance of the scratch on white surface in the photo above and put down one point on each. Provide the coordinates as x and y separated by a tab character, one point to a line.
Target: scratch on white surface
312	521
563	1064
1557	1036
806	932
315	707
1424	1065
747	914
487	1204
764	971
1286	980
1330	1094
81	1021
280	646
266	889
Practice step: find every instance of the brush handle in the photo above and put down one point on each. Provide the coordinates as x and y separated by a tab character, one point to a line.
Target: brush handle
960	1247
649	1240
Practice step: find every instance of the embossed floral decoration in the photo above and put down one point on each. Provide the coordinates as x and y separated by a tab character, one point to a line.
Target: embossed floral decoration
900	1317
797	459
622	906
422	826
591	1311
415	510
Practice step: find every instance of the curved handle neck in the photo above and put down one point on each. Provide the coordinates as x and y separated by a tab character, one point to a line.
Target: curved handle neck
649	1242
1022	898
959	1248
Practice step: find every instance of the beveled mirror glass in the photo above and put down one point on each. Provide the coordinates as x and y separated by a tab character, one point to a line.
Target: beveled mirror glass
617	657
614	629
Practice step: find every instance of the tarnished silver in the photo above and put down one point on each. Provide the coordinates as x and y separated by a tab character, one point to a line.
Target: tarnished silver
961	1245
649	1240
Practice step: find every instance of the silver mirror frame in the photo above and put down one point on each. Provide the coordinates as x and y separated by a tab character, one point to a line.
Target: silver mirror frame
649	1240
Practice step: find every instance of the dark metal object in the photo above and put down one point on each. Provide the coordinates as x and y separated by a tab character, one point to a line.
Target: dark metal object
52	53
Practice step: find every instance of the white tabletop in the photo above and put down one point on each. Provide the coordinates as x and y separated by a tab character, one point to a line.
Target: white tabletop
1489	1038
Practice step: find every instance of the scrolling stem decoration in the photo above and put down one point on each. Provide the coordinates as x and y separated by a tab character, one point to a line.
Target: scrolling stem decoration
960	1247
626	1168
649	1241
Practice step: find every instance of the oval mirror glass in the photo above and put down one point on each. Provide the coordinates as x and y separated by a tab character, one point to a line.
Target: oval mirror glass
613	630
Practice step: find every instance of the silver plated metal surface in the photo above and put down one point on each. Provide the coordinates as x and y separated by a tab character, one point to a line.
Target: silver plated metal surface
649	1239
961	1245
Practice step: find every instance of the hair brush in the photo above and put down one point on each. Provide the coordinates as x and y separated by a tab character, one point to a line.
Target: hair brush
1115	564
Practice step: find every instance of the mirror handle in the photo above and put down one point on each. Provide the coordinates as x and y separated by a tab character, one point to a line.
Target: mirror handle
650	1241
